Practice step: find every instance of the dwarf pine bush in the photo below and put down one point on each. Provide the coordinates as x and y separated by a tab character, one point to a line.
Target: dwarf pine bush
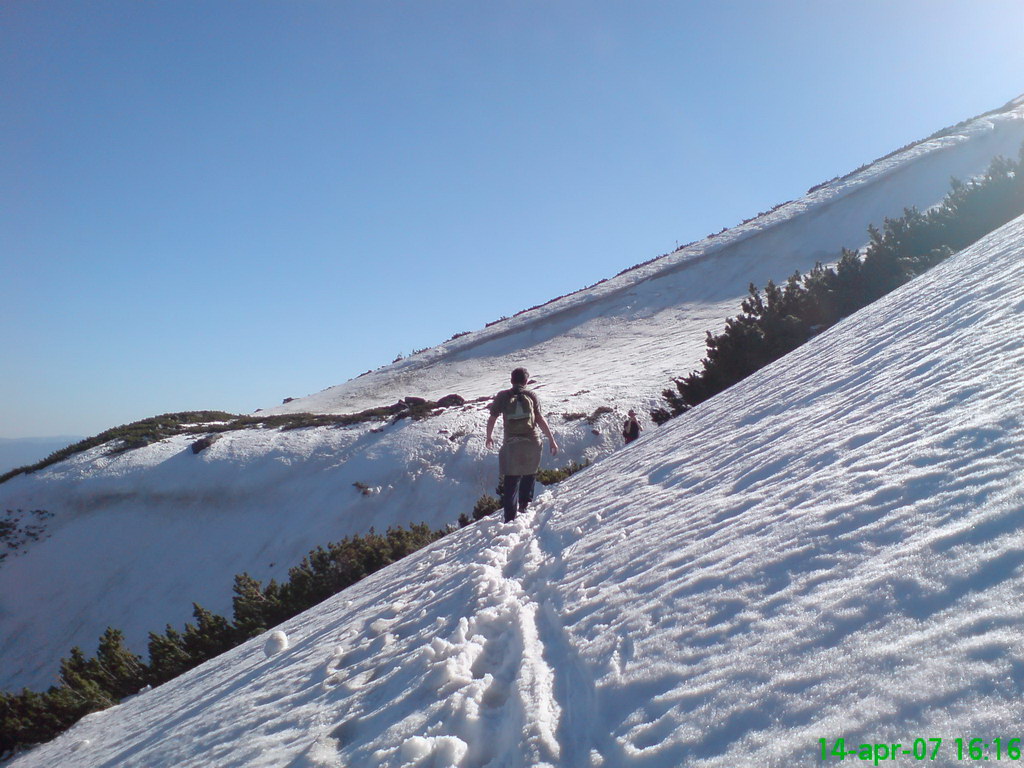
91	683
777	321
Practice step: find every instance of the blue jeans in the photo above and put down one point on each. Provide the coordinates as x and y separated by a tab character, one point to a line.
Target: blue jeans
524	484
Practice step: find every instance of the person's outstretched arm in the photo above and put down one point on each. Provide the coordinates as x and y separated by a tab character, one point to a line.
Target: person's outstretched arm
490	430
543	424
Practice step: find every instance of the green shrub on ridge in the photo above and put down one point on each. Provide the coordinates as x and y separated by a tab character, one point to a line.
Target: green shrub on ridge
780	319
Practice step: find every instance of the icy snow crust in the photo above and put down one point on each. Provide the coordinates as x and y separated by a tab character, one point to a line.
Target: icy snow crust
136	537
834	547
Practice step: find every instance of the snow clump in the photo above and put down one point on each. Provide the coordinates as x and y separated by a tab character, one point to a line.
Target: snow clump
277	642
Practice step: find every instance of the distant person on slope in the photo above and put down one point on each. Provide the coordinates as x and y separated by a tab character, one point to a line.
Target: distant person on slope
519	457
631	429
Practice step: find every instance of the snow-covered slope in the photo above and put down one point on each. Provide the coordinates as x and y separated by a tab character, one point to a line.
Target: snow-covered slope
831	549
136	538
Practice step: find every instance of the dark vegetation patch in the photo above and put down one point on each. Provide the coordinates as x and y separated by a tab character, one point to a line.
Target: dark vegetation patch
552	476
19	527
484	506
778	321
134	435
211	424
91	683
203	443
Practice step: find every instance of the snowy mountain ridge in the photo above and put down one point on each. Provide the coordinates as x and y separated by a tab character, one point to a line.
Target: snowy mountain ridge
17	452
831	549
983	134
136	537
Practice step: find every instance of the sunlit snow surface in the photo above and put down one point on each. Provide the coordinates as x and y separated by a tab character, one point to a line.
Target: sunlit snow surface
832	548
135	538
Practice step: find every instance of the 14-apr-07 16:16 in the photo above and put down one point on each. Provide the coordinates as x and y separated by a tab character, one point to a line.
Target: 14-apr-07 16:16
878	753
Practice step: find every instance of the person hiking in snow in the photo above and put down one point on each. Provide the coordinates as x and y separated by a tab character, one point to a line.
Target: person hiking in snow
631	429
519	457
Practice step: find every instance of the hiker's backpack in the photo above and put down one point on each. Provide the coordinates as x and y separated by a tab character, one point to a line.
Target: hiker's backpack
520	418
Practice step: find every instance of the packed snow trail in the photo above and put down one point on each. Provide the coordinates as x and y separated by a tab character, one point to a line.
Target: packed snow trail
510	690
499	686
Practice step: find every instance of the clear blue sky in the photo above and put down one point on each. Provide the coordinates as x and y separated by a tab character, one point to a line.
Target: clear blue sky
221	204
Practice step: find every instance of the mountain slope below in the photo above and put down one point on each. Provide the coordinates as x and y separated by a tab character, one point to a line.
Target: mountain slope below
135	537
831	549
